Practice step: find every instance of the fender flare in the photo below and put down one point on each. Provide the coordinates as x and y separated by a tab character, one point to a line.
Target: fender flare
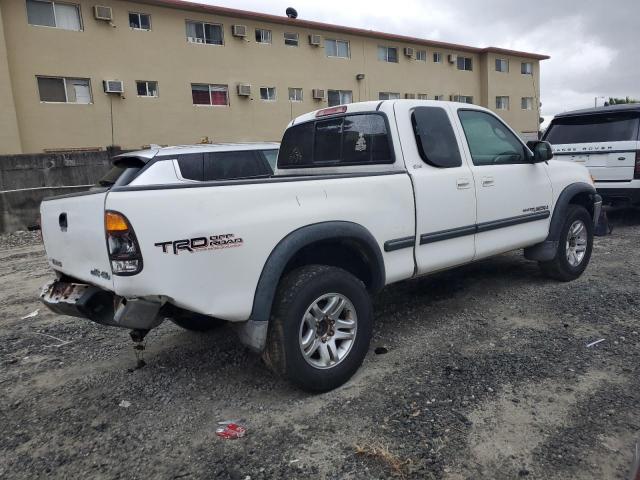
546	250
300	238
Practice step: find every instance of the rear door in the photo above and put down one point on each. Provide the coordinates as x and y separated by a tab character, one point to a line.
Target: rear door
513	195
443	186
605	143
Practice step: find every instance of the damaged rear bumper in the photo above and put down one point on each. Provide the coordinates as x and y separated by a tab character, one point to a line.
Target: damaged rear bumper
100	306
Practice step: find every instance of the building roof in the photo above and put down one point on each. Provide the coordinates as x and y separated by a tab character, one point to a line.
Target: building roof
630	107
283	20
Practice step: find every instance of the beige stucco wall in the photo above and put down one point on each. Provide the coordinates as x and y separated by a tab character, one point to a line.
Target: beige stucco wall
9	133
103	51
515	85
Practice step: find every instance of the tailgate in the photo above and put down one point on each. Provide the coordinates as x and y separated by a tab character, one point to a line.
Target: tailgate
608	162
74	238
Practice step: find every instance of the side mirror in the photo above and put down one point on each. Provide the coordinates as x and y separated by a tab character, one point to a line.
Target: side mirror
541	151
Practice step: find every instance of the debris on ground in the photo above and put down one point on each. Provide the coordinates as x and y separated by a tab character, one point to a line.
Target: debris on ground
31	315
231	431
380	452
589	345
125	404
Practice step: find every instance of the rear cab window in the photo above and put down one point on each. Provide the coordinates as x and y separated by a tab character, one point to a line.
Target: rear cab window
618	127
353	139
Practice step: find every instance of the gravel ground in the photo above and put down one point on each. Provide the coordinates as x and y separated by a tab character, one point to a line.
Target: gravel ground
487	375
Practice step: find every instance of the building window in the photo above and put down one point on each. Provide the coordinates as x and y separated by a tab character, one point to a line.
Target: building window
438	97
140	21
203	94
502	103
526	68
53	14
421	55
200	32
339	97
462	98
465	63
388	96
146	88
291	39
423	96
268	94
336	48
437	57
64	90
388	54
527	103
295	94
263	36
502	65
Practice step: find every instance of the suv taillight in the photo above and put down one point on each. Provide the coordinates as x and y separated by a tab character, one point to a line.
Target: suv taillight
124	251
636	171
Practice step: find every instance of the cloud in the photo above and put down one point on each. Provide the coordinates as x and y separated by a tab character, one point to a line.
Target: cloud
593	44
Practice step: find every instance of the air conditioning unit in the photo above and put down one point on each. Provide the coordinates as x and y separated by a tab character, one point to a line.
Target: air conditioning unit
101	12
410	96
244	89
113	86
239	30
408	51
317	94
315	40
195	40
452	58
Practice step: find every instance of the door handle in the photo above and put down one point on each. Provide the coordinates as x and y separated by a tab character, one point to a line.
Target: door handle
487	181
463	183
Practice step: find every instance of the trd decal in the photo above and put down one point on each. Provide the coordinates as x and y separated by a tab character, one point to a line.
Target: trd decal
191	245
541	208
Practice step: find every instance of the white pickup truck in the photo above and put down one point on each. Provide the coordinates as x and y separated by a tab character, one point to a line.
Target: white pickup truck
363	195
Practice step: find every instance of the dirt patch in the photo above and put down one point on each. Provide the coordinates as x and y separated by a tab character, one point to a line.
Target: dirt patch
487	375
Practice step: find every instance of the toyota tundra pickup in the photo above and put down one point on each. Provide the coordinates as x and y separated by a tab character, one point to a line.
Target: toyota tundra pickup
363	195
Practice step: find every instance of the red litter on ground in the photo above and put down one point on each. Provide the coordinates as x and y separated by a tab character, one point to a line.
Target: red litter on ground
231	431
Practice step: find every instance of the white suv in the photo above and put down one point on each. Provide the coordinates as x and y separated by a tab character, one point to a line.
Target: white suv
607	141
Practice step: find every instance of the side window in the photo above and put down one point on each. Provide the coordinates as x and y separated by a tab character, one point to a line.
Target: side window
233	165
191	166
348	140
435	138
490	142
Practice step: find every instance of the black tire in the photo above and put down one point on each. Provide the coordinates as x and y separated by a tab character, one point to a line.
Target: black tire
196	322
559	268
296	292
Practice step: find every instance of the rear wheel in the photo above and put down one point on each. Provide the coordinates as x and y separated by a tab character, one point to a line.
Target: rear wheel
574	246
320	329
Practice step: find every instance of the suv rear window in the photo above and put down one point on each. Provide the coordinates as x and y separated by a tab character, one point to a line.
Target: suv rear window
348	140
224	165
593	128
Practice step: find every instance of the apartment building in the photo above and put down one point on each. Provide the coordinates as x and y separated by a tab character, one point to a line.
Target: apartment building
87	74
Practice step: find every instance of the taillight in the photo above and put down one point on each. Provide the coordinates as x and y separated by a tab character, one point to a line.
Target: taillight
636	171
124	251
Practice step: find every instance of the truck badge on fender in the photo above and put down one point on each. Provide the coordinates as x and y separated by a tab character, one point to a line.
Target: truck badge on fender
191	245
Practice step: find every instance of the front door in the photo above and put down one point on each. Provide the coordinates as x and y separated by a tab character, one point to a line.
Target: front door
443	185
513	194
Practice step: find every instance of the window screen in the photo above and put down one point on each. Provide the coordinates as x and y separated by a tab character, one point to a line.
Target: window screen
594	128
435	138
51	89
234	165
348	140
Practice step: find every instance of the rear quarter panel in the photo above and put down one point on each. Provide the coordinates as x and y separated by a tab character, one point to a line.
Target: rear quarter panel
221	281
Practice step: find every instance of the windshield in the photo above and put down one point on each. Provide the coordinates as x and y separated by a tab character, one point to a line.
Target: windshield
594	128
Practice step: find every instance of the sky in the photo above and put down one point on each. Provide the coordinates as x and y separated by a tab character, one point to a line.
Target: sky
594	44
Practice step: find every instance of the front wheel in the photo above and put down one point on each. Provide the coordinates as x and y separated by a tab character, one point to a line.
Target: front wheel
321	327
574	246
